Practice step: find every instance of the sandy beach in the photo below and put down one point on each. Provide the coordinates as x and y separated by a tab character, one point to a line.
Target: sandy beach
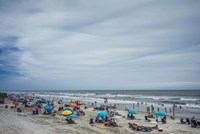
12	122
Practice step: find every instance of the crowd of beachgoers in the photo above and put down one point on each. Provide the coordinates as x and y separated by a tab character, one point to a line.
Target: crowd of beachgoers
76	117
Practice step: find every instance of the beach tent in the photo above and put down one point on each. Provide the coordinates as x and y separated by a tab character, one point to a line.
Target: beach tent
102	114
66	112
48	107
132	111
161	114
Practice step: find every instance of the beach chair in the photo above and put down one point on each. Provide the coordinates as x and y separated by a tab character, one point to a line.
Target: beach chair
163	121
194	124
131	126
146	129
146	118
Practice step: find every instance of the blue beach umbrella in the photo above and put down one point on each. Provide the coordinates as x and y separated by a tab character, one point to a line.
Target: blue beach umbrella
73	116
161	113
48	107
132	111
102	114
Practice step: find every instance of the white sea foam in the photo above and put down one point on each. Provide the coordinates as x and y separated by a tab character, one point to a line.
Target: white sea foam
193	105
187	99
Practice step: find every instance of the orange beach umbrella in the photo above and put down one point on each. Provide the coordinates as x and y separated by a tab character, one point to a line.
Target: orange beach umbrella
73	105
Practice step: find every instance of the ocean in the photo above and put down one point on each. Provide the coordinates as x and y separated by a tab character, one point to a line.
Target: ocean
187	101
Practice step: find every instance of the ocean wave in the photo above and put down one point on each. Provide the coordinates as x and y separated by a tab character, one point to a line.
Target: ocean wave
193	105
187	99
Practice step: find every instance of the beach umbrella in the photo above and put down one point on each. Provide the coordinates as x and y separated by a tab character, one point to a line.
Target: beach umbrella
48	100
132	111
48	107
38	101
73	105
102	114
73	116
66	112
161	114
70	109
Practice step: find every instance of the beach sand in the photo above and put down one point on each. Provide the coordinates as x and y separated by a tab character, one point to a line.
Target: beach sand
12	122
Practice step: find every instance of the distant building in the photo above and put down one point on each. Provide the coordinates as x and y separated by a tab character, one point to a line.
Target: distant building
2	97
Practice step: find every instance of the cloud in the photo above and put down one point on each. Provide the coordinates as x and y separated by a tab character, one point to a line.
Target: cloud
99	45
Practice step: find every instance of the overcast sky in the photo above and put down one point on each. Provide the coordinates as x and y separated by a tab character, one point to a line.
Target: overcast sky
105	44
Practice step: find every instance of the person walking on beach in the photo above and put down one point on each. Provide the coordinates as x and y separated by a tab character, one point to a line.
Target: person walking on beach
174	109
165	110
152	108
148	110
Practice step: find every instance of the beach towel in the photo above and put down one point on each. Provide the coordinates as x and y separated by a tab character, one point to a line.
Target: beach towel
101	126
